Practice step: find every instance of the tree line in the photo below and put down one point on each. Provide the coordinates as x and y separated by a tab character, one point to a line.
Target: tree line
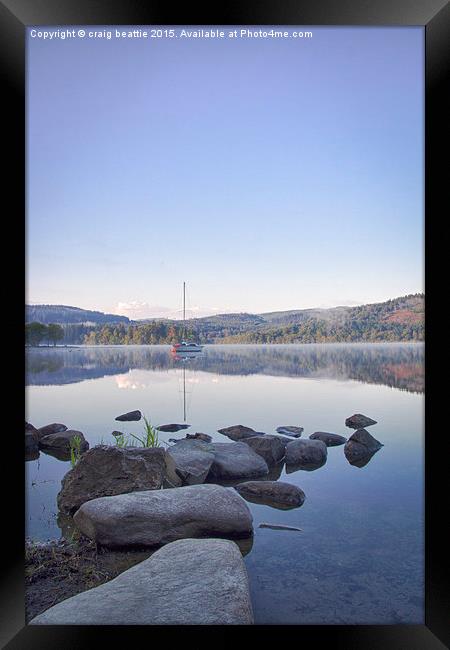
36	333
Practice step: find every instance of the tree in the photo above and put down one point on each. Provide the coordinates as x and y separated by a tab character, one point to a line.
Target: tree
55	333
35	333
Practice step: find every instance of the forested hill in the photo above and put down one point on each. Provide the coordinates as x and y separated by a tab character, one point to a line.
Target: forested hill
399	319
64	315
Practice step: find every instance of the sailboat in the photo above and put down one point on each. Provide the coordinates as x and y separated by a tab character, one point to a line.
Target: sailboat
185	346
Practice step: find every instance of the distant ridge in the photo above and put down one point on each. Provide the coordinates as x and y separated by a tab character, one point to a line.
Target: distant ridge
398	319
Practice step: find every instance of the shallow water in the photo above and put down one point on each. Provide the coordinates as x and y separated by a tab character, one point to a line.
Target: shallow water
360	555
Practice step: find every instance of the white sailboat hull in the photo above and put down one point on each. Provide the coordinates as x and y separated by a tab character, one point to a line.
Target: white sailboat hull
187	347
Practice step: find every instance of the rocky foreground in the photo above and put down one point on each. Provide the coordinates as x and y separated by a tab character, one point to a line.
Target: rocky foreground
189	499
187	582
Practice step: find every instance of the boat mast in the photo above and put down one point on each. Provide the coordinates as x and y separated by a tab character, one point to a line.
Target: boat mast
184	393
184	309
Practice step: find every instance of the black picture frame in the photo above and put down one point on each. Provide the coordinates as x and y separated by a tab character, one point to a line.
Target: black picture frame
434	16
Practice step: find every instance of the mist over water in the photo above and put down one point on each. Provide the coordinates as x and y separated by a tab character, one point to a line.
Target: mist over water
359	556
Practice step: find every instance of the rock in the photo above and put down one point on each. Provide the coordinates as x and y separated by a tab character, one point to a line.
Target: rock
51	428
360	461
359	421
59	454
271	448
31	454
60	442
361	446
272	493
199	436
173	427
305	454
108	471
30	428
31	443
187	582
162	516
193	460
238	431
283	439
275	472
294	432
132	416
236	460
330	439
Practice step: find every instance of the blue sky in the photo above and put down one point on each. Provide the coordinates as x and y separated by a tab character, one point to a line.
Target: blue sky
267	174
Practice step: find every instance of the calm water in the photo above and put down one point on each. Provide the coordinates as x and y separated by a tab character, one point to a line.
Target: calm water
359	558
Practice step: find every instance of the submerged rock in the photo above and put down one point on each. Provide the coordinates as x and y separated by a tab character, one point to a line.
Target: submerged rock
107	471
161	516
236	460
132	416
276	494
193	460
293	432
172	427
51	428
238	432
360	448
305	454
271	448
187	582
279	527
359	421
61	442
330	439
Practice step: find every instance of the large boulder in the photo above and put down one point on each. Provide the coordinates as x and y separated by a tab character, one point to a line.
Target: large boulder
359	421
238	432
234	461
51	428
193	460
305	454
271	448
107	471
330	439
187	582
293	432
276	494
161	516
62	441
131	416
30	428
360	448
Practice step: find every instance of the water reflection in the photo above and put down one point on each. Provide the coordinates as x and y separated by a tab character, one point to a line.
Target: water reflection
362	528
397	365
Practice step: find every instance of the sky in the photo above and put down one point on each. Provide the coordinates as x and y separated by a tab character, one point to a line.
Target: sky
268	174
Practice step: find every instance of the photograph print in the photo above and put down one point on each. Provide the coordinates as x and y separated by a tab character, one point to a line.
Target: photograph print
224	325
